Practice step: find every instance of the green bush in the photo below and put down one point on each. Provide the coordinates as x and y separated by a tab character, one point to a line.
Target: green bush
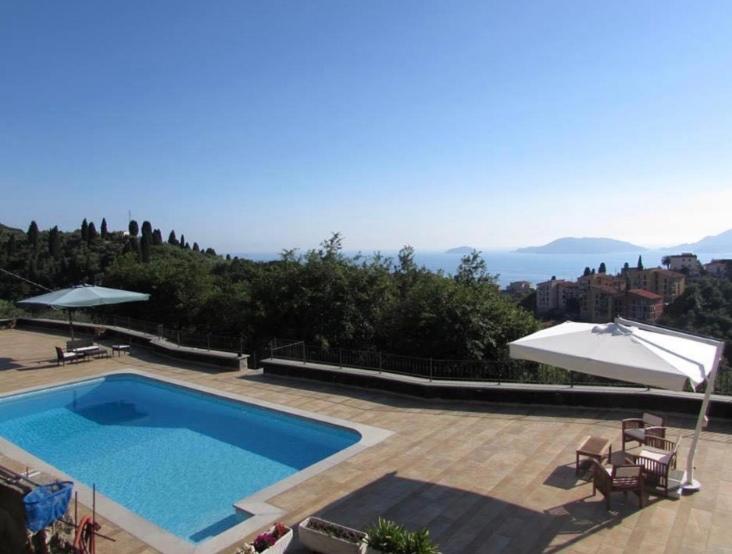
391	538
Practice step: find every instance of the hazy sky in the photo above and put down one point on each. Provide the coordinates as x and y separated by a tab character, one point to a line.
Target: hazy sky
262	125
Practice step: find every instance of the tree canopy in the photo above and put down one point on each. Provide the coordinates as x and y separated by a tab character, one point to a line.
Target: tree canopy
320	296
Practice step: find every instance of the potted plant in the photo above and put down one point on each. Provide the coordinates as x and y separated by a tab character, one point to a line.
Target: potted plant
387	537
327	537
274	541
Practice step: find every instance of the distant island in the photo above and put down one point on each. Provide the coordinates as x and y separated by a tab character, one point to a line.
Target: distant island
460	250
585	245
713	243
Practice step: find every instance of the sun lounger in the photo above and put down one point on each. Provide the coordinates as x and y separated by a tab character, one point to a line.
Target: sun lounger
63	357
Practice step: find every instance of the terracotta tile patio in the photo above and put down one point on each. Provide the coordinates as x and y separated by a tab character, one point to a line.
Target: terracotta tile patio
481	477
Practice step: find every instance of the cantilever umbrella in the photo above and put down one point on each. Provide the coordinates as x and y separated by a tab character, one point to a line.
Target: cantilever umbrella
630	351
83	296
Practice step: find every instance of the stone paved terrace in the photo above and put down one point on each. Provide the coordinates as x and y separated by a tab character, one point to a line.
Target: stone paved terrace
481	477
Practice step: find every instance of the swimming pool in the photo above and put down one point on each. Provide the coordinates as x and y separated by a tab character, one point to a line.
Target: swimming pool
179	458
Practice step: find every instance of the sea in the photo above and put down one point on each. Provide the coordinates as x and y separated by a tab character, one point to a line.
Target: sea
513	266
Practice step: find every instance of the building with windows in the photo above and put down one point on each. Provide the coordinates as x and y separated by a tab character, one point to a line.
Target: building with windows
600	280
641	305
686	263
719	268
669	284
599	304
554	295
519	288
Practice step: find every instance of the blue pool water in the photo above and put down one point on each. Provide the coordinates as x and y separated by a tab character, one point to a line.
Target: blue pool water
177	457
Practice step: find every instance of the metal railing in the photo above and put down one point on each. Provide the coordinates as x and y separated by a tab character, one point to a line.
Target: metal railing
182	337
434	369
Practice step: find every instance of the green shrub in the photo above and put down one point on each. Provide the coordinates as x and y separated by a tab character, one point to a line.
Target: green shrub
390	538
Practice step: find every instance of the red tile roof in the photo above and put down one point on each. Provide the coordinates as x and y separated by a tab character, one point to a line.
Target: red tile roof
645	294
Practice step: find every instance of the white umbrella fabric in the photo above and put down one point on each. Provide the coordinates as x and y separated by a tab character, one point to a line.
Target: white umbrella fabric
630	351
84	296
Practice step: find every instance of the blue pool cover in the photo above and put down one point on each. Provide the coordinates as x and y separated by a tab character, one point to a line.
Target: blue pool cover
177	457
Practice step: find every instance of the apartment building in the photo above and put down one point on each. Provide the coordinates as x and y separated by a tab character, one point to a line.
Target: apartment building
641	305
600	280
719	268
669	284
519	288
686	263
599	304
554	295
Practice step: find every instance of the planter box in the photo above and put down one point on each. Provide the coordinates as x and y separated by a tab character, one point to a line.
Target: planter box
319	541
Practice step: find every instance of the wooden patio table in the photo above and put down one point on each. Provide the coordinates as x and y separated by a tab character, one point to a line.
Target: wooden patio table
593	447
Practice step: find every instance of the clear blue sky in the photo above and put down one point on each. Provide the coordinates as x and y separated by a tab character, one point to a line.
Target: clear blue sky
262	125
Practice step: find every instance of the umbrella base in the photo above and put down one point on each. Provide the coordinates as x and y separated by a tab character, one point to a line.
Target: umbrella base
689	487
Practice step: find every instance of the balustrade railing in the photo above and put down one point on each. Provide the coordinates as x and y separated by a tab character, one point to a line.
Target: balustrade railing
494	371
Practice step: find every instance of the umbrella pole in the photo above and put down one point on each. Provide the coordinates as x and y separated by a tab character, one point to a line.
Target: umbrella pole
71	325
690	484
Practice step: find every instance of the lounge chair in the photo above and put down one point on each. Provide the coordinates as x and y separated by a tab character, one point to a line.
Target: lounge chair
609	479
658	458
63	357
637	429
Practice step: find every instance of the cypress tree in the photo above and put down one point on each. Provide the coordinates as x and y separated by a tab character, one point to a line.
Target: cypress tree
147	228
10	246
196	248
54	242
33	235
640	262
602	268
172	240
133	228
187	245
228	257
587	271
210	252
157	237
91	232
626	267
145	247
182	241
84	230
104	230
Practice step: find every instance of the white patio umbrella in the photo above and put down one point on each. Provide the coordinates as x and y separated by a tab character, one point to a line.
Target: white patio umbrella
630	351
83	296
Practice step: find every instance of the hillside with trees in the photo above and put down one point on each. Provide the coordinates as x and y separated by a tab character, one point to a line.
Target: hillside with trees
705	308
321	296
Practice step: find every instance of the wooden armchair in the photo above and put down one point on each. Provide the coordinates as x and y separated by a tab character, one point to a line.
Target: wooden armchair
657	458
626	477
637	429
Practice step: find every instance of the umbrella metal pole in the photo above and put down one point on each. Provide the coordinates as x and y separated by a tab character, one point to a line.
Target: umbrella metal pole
690	484
71	324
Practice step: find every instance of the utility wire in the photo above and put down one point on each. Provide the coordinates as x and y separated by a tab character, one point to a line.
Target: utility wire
24	279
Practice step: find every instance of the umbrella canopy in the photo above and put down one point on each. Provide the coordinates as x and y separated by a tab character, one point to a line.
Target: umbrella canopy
85	296
622	352
630	351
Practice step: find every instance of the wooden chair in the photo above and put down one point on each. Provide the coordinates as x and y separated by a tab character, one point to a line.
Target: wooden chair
609	479
637	429
63	357
657	458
